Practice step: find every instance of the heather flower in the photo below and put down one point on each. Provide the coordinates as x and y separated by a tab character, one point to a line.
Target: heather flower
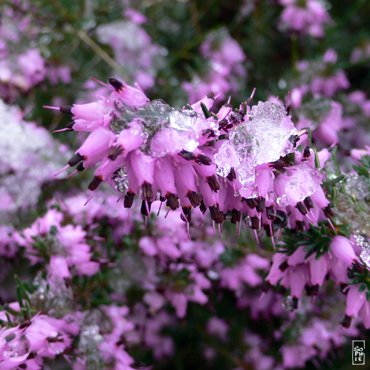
342	249
43	336
149	149
225	72
306	17
65	245
133	49
28	159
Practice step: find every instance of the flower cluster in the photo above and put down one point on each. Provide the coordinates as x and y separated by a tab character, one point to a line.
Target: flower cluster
304	16
225	72
236	163
133	48
27	160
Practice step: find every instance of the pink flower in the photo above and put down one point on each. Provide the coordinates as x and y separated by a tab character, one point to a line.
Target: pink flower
342	249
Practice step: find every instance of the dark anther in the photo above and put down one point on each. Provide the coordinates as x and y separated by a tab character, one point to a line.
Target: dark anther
80	167
202	207
32	355
205	110
255	223
235	216
346	322
308	203
147	191
312	290
211	95
187	213
301	208
216	214
129	199
22	366
145	207
343	287
118	85
306	152
281	219
115	152
270	213
260	204
299	225
294	139
195	198
222	124
172	201
75	159
203	159
162	199
283	266
251	202
232	174
295	303
95	182
213	183
67	109
25	324
328	211
189	156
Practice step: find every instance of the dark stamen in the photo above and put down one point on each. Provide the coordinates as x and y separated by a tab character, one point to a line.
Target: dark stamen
213	183
80	167
67	109
283	266
328	211
129	199
216	214
205	110
202	207
299	225
270	213
260	204
294	139
75	159
172	201
232	175
195	198
281	219
147	191
203	159
95	182
308	203
187	213
251	202
346	322
235	216
301	208
306	152
189	156
118	85
255	223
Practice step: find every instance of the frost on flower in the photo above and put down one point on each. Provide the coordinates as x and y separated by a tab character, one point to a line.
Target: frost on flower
262	139
27	159
228	161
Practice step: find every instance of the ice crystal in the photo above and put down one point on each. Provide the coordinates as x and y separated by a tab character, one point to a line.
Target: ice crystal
262	139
